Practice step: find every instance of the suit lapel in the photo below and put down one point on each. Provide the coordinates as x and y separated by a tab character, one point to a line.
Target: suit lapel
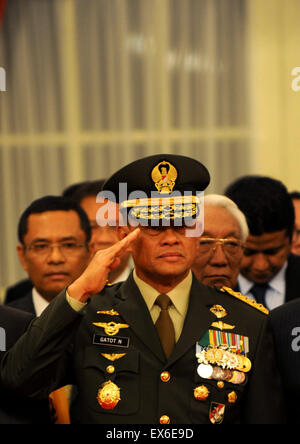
198	319
292	277
133	309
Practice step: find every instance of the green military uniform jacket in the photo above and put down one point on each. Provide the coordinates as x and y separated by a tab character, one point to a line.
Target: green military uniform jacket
64	347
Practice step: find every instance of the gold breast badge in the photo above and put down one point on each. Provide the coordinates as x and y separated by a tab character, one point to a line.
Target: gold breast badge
111	312
222	326
113	356
220	313
111	328
108	395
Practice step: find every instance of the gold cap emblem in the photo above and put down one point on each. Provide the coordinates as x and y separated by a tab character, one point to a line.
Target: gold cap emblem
164	176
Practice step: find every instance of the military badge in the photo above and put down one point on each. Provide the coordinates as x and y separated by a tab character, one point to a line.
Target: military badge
223	358
222	326
219	311
216	413
164	176
113	356
216	338
111	328
201	393
109	312
108	395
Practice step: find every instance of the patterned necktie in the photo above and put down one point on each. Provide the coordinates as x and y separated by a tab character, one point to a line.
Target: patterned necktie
164	324
259	292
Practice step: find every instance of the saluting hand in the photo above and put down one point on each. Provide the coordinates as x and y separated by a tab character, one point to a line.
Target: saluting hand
94	278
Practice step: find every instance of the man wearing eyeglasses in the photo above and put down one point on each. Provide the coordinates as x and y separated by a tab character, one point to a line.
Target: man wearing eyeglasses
54	235
269	272
161	347
103	235
220	248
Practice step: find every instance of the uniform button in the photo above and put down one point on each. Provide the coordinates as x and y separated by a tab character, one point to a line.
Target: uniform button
164	419
110	369
165	376
220	384
232	397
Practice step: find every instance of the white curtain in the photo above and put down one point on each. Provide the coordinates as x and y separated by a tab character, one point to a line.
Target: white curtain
94	84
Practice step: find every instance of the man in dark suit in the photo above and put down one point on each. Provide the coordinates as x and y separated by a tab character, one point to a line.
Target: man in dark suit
269	272
14	409
53	249
160	347
285	321
102	236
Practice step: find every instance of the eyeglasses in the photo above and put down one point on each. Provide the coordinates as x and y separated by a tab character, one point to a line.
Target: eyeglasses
44	250
208	245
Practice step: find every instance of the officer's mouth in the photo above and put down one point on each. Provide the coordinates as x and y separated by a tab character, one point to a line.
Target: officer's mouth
57	275
171	256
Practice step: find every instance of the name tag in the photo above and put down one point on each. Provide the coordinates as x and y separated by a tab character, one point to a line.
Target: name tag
115	341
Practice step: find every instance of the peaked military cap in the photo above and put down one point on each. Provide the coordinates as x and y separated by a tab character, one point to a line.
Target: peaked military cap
160	187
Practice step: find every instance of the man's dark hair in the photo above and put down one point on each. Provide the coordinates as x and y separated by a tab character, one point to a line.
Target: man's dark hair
295	195
265	202
53	203
84	189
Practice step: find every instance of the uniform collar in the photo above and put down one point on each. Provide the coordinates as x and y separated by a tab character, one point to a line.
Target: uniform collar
179	295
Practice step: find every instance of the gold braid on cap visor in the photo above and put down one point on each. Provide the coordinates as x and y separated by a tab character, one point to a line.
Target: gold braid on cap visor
163	208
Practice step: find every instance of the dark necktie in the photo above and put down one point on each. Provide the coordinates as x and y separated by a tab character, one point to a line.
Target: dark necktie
164	324
259	292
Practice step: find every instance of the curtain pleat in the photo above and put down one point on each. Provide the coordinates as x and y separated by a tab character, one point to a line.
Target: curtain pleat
93	85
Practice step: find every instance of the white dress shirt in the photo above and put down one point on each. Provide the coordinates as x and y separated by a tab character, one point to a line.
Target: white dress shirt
275	295
39	302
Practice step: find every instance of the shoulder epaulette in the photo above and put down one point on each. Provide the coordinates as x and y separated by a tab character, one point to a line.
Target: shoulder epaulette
245	299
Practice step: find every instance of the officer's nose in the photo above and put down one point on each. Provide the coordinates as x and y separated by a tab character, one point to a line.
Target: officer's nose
169	237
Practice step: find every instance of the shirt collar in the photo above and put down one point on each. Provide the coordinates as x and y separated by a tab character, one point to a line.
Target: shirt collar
179	295
39	302
277	283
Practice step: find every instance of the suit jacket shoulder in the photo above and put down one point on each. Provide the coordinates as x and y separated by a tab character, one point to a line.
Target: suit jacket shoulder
18	290
293	278
25	303
14	322
15	409
285	321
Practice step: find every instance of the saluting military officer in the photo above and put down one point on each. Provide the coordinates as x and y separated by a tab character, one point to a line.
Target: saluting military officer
160	347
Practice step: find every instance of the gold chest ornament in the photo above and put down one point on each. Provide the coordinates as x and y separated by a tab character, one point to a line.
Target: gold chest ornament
108	395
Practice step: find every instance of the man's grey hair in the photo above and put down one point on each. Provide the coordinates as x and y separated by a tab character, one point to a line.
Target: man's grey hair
224	202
